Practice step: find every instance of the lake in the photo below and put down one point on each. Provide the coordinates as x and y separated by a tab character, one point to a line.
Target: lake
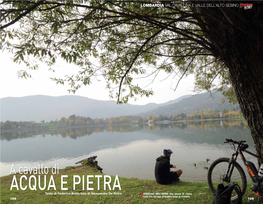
127	151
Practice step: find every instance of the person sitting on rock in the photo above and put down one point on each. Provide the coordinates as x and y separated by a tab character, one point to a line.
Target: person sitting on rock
163	175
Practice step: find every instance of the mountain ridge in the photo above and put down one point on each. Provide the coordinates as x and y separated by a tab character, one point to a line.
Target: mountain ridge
195	103
43	107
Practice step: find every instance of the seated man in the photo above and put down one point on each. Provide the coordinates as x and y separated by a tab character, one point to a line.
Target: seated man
163	175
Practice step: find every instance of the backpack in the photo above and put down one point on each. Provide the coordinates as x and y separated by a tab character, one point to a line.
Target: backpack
223	193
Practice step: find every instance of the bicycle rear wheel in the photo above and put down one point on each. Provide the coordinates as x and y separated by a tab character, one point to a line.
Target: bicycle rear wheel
218	170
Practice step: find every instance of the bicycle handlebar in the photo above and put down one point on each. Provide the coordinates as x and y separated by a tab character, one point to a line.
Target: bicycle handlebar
235	142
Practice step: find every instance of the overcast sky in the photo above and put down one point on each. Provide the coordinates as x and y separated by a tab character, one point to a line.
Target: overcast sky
40	83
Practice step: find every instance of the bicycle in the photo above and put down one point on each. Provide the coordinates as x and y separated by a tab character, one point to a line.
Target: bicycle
226	170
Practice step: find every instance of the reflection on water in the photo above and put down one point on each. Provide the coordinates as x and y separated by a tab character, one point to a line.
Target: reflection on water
80	132
128	151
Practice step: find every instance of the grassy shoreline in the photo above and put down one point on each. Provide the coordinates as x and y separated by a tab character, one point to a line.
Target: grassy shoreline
131	189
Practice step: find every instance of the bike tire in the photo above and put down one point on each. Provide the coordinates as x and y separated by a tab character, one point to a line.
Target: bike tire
213	182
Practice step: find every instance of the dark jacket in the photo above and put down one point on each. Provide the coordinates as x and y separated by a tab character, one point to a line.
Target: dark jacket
162	170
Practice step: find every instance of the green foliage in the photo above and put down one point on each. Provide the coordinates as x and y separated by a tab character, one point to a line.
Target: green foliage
232	114
208	114
13	125
224	111
70	168
87	121
193	116
126	39
229	95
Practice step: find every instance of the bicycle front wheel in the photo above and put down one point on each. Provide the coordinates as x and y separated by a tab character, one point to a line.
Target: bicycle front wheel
218	170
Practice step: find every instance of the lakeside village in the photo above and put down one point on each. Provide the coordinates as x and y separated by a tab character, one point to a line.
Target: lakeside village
80	121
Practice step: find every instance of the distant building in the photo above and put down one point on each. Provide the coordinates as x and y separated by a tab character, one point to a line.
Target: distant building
150	122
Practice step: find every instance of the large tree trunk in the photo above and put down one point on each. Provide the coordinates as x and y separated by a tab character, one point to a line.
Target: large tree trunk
236	36
246	71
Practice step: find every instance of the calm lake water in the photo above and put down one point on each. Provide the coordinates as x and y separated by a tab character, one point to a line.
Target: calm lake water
127	151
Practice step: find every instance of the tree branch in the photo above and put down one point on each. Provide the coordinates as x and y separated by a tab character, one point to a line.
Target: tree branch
22	15
135	58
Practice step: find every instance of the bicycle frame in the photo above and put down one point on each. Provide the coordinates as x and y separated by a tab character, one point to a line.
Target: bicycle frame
250	154
250	166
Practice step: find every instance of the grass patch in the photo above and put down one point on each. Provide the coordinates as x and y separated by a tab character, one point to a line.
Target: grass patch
131	189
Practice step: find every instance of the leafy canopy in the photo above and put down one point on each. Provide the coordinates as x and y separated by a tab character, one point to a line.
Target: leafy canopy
126	38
